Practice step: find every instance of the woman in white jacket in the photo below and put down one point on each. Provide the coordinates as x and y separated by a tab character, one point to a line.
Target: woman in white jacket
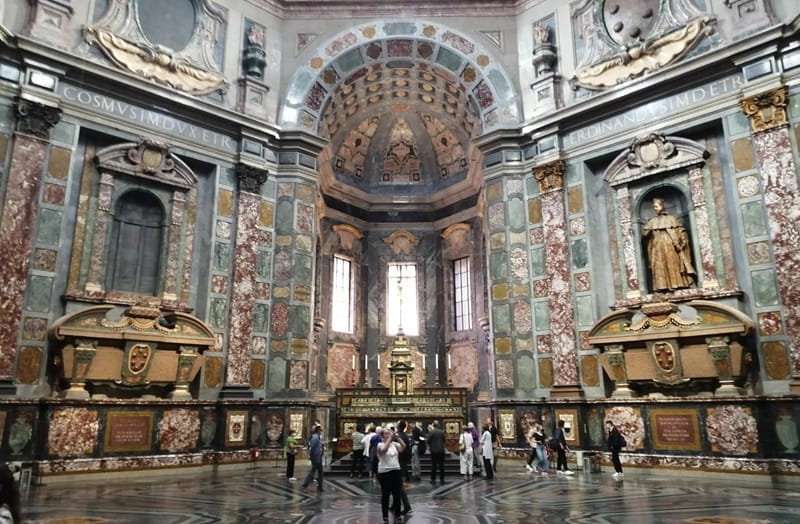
487	452
466	453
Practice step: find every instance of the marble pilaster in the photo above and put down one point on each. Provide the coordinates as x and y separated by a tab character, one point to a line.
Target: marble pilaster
19	216
628	247
768	120
173	244
562	317
696	184
244	275
94	284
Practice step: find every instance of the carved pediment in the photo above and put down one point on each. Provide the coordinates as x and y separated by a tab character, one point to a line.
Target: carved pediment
653	153
147	159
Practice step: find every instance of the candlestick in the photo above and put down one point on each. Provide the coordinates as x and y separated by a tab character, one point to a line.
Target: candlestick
449	362
354	362
437	361
366	363
379	363
423	362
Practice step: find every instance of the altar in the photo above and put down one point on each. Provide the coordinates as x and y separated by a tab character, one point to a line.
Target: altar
400	400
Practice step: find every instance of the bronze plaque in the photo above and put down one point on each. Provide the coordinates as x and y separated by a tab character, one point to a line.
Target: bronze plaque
128	431
675	429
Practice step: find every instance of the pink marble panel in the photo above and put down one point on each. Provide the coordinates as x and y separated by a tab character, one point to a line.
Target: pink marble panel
523	319
464	372
280	319
697	187
732	430
782	199
562	310
505	374
178	430
518	259
242	296
73	432
18	218
298	374
343	363
628	241
340	44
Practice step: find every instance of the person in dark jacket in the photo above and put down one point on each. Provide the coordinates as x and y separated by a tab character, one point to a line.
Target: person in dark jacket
436	447
615	443
315	452
559	445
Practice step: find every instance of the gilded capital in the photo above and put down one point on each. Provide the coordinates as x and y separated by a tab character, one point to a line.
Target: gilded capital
550	176
767	110
251	178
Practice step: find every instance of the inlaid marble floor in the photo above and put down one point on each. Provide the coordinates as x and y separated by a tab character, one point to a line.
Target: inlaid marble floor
255	495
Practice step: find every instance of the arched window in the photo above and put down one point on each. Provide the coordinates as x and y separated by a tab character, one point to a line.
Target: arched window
134	259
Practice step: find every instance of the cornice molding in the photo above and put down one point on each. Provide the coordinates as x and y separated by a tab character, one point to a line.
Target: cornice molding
306	9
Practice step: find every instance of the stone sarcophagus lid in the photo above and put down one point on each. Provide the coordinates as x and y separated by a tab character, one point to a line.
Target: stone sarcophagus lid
129	352
698	347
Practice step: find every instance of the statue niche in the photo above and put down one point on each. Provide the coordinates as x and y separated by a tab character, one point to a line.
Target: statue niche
667	250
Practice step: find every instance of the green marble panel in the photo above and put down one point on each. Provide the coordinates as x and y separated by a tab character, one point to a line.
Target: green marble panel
218	317
302	270
765	290
400	28
222	257
263	265
448	59
268	189
38	294
49	227
276	375
526	373
8	115
498	265
541	315
63	132
531	186
537	261
572	175
794	106
580	254
585	310
261	317
516	214
350	60
501	318
300	321
753	219
738	123
284	218
227	177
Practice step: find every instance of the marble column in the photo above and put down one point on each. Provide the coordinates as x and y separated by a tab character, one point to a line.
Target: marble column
19	215
768	120
633	287
242	302
562	309
696	183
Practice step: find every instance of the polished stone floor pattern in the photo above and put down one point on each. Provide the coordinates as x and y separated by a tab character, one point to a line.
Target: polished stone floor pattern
244	495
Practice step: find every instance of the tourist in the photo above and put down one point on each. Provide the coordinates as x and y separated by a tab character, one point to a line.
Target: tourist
615	443
437	449
416	468
315	452
10	501
390	475
487	452
540	440
368	450
476	461
559	444
290	447
357	463
465	453
405	455
497	443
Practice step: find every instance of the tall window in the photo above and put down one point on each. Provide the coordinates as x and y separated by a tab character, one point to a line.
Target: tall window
401	299
134	259
462	294
342	299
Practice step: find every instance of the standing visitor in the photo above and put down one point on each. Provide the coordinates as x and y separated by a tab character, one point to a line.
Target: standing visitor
416	433
405	455
487	452
390	476
357	464
290	447
615	443
10	505
436	447
316	450
540	439
559	444
476	460
465	453
497	443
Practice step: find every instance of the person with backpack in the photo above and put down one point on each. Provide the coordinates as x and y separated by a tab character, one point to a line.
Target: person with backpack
615	443
559	444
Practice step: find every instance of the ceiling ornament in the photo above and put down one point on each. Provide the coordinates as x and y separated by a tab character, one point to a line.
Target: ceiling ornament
627	39
402	242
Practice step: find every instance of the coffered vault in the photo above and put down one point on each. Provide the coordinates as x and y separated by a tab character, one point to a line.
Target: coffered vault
399	103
